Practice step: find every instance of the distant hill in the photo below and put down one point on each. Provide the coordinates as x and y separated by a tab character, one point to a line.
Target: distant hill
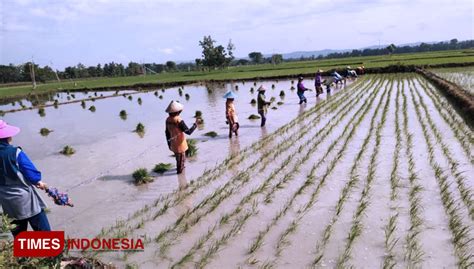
324	52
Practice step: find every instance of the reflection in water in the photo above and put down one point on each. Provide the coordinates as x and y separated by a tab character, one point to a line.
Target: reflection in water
301	109
182	181
234	146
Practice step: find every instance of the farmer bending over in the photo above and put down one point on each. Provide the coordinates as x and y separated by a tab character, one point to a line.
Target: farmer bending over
175	130
19	179
262	105
318	81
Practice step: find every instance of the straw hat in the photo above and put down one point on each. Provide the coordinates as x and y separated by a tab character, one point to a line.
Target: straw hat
348	67
7	130
261	89
174	107
230	95
320	71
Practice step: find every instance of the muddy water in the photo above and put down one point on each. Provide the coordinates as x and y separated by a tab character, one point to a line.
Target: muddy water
98	176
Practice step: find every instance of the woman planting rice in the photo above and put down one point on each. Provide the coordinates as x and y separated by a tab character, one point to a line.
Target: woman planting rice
175	130
19	179
262	105
318	83
301	89
230	113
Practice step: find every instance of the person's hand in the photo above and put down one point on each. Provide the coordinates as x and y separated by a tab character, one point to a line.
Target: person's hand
41	185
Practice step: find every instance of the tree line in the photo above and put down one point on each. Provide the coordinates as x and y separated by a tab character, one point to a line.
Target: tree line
214	56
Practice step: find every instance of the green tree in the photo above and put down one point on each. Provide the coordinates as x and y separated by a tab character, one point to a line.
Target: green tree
277	58
391	49
212	56
256	57
170	65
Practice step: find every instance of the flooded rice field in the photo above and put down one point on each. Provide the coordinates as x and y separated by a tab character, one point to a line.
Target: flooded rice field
379	174
463	76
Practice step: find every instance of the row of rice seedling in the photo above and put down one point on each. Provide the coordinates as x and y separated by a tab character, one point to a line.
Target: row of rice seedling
460	231
364	199
390	229
461	131
466	194
414	253
258	190
211	175
344	195
266	184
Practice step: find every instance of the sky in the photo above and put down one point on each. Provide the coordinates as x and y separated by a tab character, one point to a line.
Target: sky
62	33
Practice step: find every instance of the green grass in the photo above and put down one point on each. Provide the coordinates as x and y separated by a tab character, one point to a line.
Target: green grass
141	176
162	167
211	134
252	71
68	151
45	131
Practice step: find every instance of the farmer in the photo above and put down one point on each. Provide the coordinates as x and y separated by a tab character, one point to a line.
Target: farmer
318	80
350	72
19	179
300	90
230	113
175	130
262	104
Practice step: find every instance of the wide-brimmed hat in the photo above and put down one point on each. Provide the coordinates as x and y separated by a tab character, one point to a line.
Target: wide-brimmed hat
261	89
174	107
348	67
320	71
230	95
7	130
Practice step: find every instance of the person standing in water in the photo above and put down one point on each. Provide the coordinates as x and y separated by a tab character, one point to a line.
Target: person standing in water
19	179
318	81
175	130
262	105
230	113
300	90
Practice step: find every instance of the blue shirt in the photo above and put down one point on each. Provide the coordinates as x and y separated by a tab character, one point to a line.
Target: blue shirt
28	169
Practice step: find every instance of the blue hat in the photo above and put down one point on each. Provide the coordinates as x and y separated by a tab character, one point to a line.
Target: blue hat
230	94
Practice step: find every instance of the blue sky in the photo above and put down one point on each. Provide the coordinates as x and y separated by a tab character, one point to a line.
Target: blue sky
66	32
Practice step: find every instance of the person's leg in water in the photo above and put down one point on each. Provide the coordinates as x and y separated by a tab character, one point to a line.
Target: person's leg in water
236	129
180	159
264	119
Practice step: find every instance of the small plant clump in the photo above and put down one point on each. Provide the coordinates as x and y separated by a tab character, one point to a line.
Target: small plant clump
130	97
254	117
180	91
83	104
253	102
192	148
236	87
282	93
274	108
45	131
141	176
123	114
140	128
92	108
139	100
156	93
198	114
41	112
211	134
272	99
161	97
187	96
162	167
273	86
280	103
67	150
252	90
292	88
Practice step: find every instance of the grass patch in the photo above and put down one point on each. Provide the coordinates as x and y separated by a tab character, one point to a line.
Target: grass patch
140	129
41	112
254	117
162	167
92	109
141	176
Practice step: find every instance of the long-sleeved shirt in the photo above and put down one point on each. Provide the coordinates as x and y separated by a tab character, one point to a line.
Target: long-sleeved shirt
301	88
28	169
317	80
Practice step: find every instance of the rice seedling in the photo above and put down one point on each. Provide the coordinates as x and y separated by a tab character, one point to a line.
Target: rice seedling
252	90
123	114
211	134
198	114
45	131
67	150
192	148
41	112
253	102
187	96
140	129
55	104
92	109
273	86
139	100
282	93
141	176
83	104
162	168
272	99
156	93
130	97
161	97
254	117
180	92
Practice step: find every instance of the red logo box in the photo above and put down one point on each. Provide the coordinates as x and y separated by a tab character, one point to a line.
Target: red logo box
38	244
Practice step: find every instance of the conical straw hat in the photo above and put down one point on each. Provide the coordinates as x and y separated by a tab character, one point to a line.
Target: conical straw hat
174	107
261	89
230	95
